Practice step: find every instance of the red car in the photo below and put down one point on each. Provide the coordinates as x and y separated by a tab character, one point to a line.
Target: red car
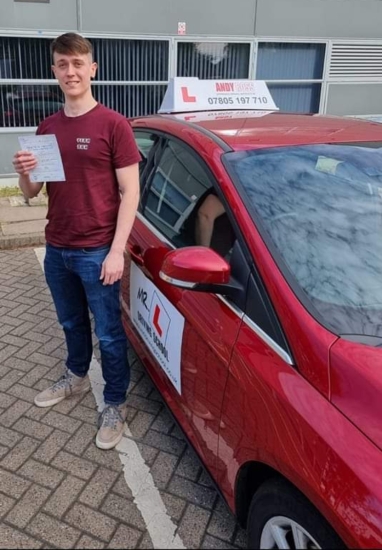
252	293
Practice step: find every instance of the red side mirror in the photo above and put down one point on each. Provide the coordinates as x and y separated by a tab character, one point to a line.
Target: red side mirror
195	265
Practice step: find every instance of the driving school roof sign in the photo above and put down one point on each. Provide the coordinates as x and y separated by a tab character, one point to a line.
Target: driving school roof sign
192	94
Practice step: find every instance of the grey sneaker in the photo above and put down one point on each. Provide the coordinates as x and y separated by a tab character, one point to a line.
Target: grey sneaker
111	426
69	384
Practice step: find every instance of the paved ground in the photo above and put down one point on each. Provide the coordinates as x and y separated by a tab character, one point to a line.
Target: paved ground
57	490
22	224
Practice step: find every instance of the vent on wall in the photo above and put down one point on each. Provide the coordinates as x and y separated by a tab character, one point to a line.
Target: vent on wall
355	61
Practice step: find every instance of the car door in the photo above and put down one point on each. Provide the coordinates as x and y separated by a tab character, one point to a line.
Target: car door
188	337
260	361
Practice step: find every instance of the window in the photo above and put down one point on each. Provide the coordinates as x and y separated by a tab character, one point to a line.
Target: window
301	63
319	208
213	60
183	204
130	100
132	77
131	60
177	183
26	58
145	142
296	98
28	105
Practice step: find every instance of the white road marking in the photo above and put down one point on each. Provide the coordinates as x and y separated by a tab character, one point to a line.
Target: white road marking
147	498
40	253
137	475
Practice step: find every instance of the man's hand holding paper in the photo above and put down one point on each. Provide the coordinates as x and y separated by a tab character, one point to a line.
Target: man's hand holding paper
24	162
40	158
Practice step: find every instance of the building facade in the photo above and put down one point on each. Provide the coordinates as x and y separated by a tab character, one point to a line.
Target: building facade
317	56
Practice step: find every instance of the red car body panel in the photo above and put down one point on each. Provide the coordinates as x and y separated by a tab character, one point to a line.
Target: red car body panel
358	396
316	422
273	416
271	130
210	332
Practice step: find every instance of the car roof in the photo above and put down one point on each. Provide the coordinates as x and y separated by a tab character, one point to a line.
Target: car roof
267	129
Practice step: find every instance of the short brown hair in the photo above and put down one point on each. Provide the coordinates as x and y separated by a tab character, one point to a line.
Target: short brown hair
71	43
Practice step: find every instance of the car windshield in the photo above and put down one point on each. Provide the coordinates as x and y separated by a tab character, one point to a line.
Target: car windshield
319	209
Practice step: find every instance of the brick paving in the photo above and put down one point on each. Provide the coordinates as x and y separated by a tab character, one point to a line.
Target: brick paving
57	490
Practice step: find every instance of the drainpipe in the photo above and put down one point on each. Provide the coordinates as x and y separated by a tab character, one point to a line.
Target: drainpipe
79	16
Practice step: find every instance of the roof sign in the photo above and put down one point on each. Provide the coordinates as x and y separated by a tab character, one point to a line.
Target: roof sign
192	94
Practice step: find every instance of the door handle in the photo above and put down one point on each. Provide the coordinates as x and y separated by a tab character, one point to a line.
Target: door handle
136	254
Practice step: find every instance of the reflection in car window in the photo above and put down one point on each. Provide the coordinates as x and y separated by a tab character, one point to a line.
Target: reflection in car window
27	105
144	141
177	198
321	207
178	182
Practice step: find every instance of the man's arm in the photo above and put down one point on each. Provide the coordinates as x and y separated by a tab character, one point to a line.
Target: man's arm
128	181
24	162
211	209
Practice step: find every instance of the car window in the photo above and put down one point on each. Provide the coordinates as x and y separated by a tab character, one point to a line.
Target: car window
180	189
179	186
319	208
145	142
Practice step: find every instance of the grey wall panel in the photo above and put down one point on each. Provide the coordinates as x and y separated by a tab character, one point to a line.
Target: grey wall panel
319	18
57	15
354	99
203	17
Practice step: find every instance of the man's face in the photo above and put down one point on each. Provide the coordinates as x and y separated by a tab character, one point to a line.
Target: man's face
74	73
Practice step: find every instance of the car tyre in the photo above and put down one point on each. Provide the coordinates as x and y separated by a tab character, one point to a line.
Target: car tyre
281	517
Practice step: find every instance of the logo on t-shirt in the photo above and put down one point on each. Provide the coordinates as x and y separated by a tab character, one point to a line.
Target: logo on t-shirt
83	143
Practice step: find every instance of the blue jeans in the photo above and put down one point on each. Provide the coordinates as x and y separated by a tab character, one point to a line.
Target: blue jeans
73	278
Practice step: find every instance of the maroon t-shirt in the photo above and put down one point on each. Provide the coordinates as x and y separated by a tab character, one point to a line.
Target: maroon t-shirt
83	209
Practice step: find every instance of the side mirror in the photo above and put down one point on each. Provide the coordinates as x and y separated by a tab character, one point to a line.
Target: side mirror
195	267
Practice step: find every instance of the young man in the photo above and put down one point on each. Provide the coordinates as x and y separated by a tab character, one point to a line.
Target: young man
90	217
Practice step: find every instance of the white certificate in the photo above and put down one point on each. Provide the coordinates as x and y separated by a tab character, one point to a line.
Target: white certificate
45	149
